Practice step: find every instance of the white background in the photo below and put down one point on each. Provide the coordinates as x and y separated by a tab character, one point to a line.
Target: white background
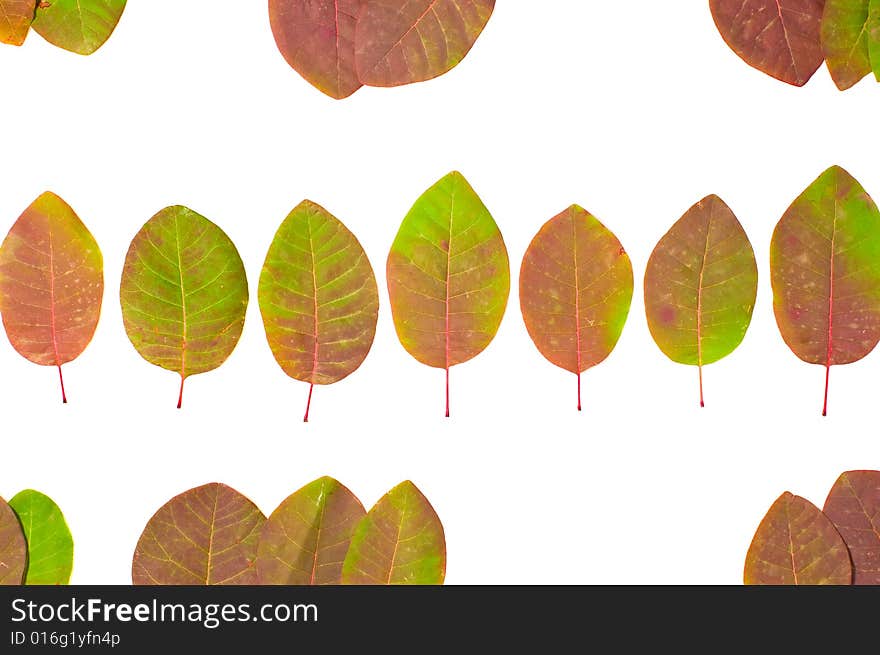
634	110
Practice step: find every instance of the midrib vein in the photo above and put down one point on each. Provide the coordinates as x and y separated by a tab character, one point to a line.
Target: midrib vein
577	295
831	290
52	322
182	298
211	538
315	302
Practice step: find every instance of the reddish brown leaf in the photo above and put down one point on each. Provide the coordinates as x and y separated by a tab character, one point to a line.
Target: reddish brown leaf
16	17
779	37
854	507
796	544
575	289
317	40
51	284
13	547
205	536
403	41
700	286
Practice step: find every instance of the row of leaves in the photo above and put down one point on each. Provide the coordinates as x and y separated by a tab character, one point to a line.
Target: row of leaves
320	534
184	290
36	547
80	26
339	46
790	39
799	544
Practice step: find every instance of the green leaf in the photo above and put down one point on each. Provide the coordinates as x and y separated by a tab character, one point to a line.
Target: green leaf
400	541
853	505
796	544
305	540
778	37
317	40
700	286
845	41
825	272
318	298
204	536
873	36
15	20
184	293
404	41
13	547
448	276
81	26
49	542
51	284
575	290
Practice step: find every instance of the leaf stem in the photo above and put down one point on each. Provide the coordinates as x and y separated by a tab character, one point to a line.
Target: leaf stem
447	392
180	396
61	379
700	368
579	392
825	403
309	403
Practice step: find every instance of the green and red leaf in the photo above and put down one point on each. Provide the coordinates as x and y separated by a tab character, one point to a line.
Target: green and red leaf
872	30
796	544
854	507
13	547
778	37
318	298
205	536
184	293
845	41
80	26
317	40
51	284
825	272
49	542
575	289
305	540
404	41
448	276
701	282
400	541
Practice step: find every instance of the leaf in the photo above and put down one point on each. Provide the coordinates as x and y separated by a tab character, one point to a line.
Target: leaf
778	37
825	273
404	41
317	40
400	541
318	298
575	290
80	26
853	506
49	542
448	276
15	20
845	41
305	540
51	284
184	293
13	547
205	536
796	544
700	286
873	36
